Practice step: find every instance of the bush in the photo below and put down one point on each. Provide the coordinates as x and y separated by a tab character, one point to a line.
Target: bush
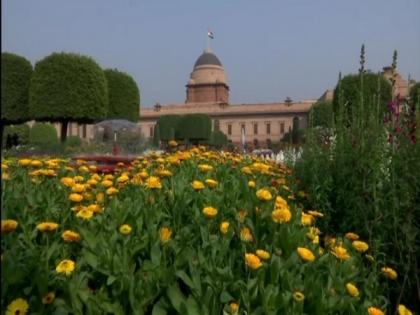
43	135
73	141
218	139
20	132
194	128
321	114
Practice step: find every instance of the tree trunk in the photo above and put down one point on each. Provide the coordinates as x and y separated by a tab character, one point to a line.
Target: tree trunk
1	133
63	135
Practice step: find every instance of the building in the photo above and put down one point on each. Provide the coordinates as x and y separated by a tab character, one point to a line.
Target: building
208	93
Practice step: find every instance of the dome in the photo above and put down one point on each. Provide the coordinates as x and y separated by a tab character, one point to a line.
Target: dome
207	58
208	70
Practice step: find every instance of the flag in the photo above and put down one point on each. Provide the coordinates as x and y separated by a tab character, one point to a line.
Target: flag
210	34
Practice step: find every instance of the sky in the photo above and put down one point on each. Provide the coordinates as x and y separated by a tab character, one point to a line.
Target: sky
270	49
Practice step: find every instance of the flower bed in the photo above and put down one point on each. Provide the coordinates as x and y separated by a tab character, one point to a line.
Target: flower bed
193	232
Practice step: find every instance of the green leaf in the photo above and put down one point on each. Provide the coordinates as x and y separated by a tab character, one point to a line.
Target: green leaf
225	297
176	297
110	280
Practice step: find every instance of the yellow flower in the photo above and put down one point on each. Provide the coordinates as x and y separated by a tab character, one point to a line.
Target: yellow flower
5	176
281	203
143	174
352	289
85	214
48	298
47	226
211	182
76	197
95	208
66	266
389	273
305	254
224	227
313	234
83	169
352	236
252	261
111	191
307	219
67	181
375	311
264	194
315	214
360	246
96	177
8	226
153	183
241	215
402	310
205	167
100	197
246	235
122	179
125	229
264	255
234	308
78	188
210	212
107	183
71	236
197	185
18	306
246	170
36	163
173	143
78	178
251	184
298	296
24	162
340	252
281	215
165	234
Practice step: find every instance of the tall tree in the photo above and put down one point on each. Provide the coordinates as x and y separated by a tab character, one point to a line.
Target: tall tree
16	73
123	94
194	127
68	87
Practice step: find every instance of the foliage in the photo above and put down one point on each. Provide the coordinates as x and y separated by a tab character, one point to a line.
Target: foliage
127	263
16	74
321	114
218	139
74	141
166	127
21	131
194	127
376	93
43	134
363	177
124	95
68	87
414	95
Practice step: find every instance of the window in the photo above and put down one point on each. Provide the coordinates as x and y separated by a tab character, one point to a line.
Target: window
229	129
255	129
216	125
268	128
282	128
151	131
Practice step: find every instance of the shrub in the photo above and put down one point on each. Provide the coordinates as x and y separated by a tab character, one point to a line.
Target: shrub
43	135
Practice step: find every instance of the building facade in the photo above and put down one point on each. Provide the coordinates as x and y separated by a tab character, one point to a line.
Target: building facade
207	92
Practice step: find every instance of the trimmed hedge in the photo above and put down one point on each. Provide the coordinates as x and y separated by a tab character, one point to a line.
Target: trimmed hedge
123	94
43	135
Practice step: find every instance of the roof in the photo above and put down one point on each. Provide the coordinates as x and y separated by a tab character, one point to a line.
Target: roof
207	58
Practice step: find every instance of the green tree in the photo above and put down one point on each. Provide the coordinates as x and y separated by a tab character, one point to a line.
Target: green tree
376	90
68	87
321	114
167	127
123	94
20	131
16	73
414	95
218	139
194	128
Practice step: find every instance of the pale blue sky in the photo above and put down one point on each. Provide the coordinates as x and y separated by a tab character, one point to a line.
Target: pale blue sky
270	49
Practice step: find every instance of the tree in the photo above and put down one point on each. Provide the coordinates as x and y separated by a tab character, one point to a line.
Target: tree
218	139
167	126
321	114
68	87
18	132
414	95
348	92
16	73
123	94
194	127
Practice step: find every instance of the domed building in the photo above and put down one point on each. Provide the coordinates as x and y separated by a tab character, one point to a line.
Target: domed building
208	81
208	93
